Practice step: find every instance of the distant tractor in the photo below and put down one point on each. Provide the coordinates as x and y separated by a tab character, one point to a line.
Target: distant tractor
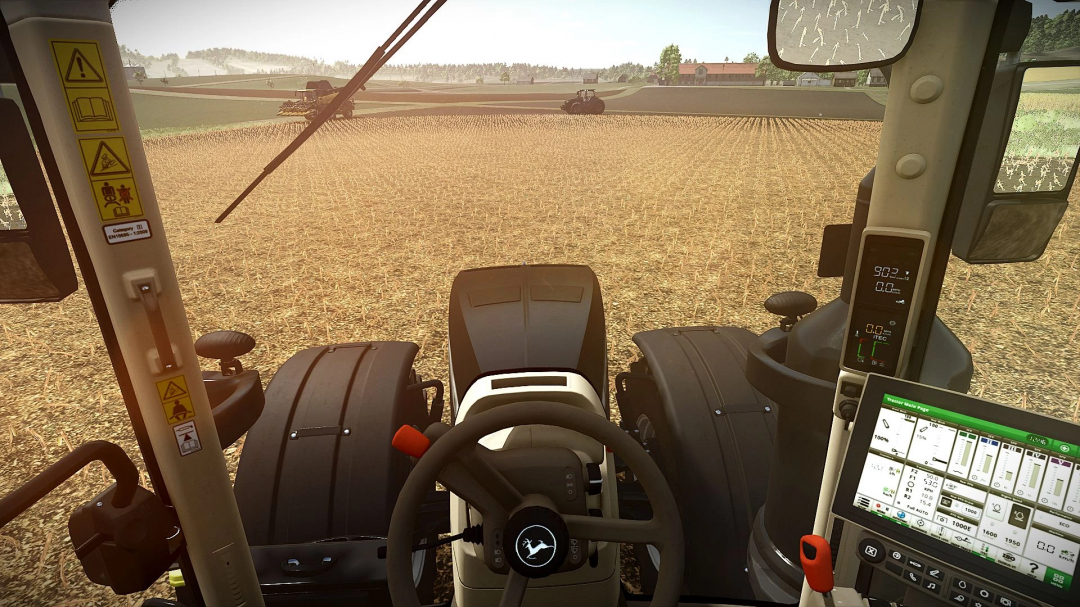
313	98
586	102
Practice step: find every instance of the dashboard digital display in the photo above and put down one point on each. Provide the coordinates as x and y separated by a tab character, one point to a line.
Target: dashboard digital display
888	273
1009	495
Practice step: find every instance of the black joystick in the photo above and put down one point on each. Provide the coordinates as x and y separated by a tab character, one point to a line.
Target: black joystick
225	346
792	305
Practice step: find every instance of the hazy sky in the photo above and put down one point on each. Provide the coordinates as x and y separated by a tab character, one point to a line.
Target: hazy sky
571	33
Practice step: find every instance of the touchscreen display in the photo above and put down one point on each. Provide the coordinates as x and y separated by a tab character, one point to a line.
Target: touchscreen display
1005	494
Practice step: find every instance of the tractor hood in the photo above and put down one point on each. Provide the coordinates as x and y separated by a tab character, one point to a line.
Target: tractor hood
527	318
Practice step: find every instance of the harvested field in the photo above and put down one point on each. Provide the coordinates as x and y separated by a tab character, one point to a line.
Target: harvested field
751	101
686	220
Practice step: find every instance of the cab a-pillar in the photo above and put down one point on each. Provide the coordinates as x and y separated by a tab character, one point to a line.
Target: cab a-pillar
69	53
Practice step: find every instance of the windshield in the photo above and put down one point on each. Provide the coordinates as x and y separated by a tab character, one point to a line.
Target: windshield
696	182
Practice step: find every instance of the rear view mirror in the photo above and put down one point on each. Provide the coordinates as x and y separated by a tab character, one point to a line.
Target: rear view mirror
1021	177
815	35
35	265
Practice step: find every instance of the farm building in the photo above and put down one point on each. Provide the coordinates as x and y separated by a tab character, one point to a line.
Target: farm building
652	79
812	79
131	70
526	80
590	78
845	79
623	78
876	78
720	74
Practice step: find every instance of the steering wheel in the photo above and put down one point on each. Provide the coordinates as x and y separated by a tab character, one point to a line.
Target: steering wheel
457	461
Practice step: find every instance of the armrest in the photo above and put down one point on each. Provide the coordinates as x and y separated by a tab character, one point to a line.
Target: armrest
236	400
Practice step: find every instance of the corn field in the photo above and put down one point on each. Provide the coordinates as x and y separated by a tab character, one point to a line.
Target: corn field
686	221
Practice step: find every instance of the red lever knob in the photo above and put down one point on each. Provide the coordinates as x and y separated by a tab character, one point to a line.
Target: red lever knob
816	560
410	441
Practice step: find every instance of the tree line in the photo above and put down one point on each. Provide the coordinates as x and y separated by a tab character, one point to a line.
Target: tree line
671	57
1049	34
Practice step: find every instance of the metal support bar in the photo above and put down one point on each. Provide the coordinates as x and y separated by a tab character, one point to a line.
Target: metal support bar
148	295
114	458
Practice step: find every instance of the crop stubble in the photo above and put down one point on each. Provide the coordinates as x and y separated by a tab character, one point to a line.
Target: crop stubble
685	220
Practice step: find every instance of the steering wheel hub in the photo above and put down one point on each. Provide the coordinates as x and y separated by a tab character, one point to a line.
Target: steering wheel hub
538	541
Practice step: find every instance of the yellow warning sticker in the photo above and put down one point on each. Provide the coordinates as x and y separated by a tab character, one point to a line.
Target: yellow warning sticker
108	166
82	74
175	399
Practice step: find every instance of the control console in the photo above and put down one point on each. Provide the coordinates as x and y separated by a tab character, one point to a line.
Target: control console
973	502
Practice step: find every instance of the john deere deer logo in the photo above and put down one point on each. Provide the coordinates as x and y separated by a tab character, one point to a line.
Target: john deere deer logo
533	546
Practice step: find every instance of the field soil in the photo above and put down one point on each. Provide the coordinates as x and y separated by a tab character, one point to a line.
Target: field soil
751	101
686	221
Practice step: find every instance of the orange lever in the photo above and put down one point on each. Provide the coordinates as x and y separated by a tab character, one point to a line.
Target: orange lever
816	560
410	441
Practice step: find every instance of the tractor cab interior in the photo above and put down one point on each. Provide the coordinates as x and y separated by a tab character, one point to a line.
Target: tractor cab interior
835	459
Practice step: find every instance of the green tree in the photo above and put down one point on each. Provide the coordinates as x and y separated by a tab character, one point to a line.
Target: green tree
1048	34
480	80
505	77
670	58
726	60
771	72
751	58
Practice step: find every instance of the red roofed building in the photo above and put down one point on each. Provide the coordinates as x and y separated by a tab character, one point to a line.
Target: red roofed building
720	74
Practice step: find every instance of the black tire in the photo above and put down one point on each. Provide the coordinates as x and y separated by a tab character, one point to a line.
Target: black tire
576	108
597	106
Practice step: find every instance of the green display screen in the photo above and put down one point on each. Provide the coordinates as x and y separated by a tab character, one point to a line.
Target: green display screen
1007	494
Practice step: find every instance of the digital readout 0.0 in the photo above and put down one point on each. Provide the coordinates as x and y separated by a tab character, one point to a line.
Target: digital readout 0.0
874	341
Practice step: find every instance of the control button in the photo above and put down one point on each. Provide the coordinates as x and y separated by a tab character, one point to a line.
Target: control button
931	585
575	552
916	565
984	594
850	390
897	556
980	603
596	479
958	598
1004	601
913	577
961	585
894	569
496	549
935	573
871	551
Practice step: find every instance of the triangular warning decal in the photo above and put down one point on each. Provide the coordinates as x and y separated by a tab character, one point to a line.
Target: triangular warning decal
187	437
80	70
173	391
107	162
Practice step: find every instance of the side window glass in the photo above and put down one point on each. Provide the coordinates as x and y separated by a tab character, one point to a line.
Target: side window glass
1045	132
11	218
